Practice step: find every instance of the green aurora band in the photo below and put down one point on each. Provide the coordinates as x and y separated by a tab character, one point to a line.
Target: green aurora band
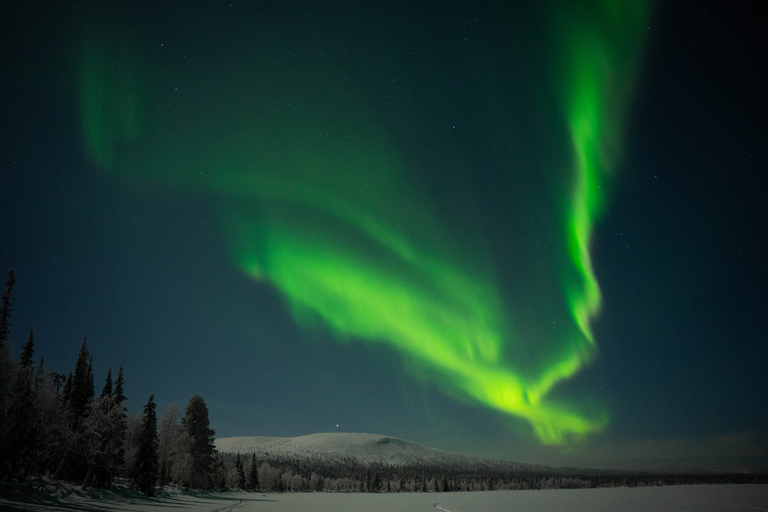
602	53
321	204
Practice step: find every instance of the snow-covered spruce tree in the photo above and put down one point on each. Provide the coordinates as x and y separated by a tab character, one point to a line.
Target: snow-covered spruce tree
145	465
195	423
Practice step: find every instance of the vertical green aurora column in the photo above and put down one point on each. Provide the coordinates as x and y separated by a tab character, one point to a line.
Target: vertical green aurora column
601	43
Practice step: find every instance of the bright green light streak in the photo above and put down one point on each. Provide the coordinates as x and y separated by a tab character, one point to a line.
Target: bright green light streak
446	324
335	225
601	58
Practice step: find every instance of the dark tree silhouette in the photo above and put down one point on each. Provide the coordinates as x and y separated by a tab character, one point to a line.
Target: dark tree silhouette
145	467
253	478
5	312
107	391
81	394
118	401
195	423
6	369
119	396
28	351
240	473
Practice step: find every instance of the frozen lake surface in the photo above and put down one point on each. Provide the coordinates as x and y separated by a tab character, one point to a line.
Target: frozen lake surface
682	498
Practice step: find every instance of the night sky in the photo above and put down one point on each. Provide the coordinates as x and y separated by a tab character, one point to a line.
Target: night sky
530	232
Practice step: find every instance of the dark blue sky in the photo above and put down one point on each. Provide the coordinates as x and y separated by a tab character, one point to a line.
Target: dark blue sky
144	269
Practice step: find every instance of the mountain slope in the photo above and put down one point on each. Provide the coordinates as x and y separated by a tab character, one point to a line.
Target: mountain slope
365	448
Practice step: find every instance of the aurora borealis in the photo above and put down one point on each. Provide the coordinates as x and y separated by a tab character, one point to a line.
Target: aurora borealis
371	260
429	193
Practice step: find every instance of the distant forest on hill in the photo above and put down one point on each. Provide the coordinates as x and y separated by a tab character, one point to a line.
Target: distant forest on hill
56	425
312	473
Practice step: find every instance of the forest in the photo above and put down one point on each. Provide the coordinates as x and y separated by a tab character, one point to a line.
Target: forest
56	425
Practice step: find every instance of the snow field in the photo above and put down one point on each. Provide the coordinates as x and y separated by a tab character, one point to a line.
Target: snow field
683	498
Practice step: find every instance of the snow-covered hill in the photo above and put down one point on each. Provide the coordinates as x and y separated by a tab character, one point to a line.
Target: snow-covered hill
365	448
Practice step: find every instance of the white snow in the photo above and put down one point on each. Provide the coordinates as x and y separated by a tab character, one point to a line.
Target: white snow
682	498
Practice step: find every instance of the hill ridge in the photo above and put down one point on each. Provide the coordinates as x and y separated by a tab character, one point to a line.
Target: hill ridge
365	448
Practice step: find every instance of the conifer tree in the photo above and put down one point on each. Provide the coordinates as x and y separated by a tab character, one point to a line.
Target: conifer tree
6	369
90	391
240	473
253	478
118	401
107	391
76	443
81	394
5	311
66	394
195	423
145	467
119	396
28	351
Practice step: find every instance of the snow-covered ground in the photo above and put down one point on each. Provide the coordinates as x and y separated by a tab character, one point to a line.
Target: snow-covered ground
682	498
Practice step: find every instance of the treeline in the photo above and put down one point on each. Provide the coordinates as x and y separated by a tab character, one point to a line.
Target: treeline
56	425
315	473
